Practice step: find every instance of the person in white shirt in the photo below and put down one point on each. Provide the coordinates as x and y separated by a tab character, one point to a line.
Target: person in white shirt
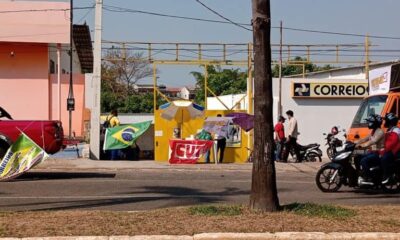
291	140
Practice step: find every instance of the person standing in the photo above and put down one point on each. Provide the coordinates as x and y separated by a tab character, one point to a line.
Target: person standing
113	121
291	141
205	135
279	138
221	144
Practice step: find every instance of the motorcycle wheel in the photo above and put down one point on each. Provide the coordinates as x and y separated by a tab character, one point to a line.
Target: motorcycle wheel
293	158
393	186
313	157
329	152
328	179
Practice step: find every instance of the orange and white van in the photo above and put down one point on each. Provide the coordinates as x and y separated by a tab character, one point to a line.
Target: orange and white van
381	80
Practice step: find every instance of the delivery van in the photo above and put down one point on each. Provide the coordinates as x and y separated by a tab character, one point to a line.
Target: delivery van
384	89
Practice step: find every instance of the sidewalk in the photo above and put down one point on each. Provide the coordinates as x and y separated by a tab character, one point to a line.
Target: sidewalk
79	164
237	236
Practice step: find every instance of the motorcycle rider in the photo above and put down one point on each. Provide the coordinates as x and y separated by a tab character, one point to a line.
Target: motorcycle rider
375	143
392	146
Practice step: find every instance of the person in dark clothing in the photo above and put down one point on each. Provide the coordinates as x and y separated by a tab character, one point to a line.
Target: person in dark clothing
221	144
374	142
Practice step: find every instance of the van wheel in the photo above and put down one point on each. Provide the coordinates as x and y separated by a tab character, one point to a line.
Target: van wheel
3	149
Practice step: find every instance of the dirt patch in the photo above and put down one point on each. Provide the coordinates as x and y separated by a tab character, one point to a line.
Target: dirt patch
183	221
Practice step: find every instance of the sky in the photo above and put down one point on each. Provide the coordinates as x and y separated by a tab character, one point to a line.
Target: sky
356	16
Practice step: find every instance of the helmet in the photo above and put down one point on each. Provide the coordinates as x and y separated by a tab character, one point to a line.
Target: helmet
374	121
391	120
334	130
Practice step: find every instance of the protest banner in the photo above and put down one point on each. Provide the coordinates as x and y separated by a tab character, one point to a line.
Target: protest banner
188	151
23	155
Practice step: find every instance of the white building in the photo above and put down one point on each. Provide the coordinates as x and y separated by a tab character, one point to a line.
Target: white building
318	102
187	93
353	72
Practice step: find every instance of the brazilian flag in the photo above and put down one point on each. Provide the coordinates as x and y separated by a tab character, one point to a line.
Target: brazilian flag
124	136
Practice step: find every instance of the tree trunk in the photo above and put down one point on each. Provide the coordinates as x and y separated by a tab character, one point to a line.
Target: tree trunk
264	194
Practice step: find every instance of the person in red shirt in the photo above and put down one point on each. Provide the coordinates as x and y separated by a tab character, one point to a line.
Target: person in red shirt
279	138
392	146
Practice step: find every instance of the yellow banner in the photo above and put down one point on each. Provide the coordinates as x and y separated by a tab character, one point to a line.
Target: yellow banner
329	90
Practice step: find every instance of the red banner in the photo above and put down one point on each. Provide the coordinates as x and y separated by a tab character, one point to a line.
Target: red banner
188	151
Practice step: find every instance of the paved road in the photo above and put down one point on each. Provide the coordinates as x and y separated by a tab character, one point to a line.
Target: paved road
140	189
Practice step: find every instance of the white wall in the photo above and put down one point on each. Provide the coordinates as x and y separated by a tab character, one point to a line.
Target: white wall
357	72
184	93
228	100
88	90
314	116
317	116
65	59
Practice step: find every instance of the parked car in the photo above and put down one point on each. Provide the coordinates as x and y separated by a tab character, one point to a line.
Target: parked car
47	134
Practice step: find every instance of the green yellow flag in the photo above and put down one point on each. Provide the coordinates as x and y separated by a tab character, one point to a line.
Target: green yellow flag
23	155
124	136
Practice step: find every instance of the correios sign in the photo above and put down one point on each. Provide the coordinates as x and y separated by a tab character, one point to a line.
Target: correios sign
329	89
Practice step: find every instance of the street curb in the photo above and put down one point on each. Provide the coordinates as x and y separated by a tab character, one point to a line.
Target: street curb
236	236
93	165
297	236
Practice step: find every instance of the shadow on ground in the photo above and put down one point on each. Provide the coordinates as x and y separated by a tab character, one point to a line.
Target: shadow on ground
29	176
162	196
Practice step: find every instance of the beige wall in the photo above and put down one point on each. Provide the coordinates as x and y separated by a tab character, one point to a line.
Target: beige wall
24	84
79	95
27	91
34	26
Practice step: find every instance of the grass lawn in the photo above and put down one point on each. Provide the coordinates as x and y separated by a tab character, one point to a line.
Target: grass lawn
198	219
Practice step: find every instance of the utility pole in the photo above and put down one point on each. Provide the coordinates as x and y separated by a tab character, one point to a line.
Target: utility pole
96	85
71	99
367	57
280	71
264	194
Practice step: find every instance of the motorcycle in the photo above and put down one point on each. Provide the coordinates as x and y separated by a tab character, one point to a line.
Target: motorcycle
340	171
308	153
333	142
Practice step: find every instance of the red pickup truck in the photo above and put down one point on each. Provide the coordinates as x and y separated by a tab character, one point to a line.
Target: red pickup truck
47	134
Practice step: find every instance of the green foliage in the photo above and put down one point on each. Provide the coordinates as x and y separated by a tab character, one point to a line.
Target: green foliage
118	77
209	210
320	210
233	81
220	81
289	70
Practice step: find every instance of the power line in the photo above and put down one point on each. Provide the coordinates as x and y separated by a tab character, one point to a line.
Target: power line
341	33
33	35
45	10
127	10
111	8
87	13
223	17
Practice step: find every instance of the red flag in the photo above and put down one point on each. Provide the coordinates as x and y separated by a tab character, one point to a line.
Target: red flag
188	151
